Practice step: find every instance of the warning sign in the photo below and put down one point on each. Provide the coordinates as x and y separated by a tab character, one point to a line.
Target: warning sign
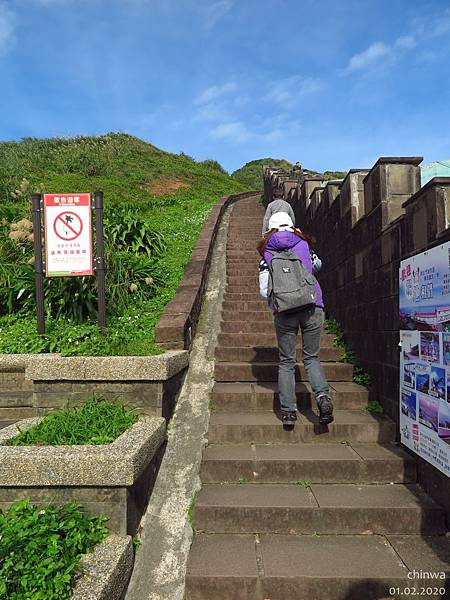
68	226
68	234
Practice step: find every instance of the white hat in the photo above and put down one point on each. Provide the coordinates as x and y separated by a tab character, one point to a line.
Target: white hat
281	221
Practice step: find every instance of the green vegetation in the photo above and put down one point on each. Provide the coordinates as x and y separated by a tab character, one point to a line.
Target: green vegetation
41	548
375	407
333	174
305	483
155	206
190	513
95	422
251	174
359	375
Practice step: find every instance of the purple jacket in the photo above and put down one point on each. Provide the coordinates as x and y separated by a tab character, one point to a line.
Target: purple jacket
287	239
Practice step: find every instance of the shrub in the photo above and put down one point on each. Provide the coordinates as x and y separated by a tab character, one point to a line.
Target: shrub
41	548
124	231
214	164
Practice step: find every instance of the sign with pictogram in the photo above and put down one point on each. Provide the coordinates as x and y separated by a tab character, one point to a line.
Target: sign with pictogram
68	235
68	226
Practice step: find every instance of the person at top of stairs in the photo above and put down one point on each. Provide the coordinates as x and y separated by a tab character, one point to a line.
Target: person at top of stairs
275	206
309	319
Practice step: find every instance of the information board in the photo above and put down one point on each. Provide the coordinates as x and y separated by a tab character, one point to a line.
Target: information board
68	235
424	294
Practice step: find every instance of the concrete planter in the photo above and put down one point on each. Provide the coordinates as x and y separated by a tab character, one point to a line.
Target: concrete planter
32	385
113	479
104	574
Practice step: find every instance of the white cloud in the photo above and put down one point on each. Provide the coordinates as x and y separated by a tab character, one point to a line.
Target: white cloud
285	92
216	11
263	130
406	41
214	92
427	25
371	55
50	2
421	29
234	131
7	28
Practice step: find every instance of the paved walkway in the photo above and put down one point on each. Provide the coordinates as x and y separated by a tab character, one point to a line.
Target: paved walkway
315	513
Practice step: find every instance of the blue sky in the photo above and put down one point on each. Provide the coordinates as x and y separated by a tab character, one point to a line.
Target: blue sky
331	84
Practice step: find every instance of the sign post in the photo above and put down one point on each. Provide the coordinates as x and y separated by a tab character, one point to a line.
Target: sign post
38	262
68	244
100	260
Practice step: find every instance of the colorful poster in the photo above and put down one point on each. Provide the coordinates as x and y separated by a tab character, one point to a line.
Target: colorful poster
425	355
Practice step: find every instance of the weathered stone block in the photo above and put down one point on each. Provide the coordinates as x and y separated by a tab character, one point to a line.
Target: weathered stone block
352	195
104	574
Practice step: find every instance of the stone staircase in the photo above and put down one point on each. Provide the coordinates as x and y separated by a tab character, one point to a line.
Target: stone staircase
314	513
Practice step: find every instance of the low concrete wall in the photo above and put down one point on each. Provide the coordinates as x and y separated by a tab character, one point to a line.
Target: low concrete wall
31	385
104	574
114	479
177	325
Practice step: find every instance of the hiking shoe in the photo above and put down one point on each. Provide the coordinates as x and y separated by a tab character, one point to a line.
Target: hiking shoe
325	410
288	417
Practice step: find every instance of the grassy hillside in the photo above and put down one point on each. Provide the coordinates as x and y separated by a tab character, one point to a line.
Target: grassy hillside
251	173
155	205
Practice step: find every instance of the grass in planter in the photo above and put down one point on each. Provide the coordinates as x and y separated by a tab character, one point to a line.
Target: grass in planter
41	547
98	421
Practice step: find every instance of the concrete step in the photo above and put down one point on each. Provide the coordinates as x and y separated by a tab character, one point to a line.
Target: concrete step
239	255
245	289
242	296
245	306
245	280
4	424
243	246
311	567
259	339
257	354
236	271
323	508
264	314
250	327
314	463
267	371
349	426
237	397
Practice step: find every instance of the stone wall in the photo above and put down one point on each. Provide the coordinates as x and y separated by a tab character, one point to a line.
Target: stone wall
365	225
33	385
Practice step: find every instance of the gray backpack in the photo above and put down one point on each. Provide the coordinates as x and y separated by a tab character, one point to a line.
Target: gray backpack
291	286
